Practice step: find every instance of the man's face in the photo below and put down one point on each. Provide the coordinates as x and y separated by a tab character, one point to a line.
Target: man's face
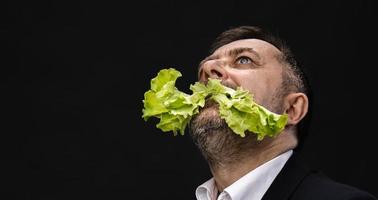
251	64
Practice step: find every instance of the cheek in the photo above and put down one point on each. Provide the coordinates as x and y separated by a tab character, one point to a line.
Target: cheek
251	82
257	83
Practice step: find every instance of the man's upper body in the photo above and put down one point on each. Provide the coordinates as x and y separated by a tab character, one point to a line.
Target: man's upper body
261	63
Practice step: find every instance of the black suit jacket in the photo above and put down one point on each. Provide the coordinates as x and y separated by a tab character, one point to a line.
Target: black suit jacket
298	182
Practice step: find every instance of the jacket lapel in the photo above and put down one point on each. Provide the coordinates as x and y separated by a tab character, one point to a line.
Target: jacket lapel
287	180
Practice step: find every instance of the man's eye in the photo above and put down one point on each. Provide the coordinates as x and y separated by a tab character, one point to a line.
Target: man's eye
244	60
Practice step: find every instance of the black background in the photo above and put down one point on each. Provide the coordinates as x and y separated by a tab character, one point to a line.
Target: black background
74	75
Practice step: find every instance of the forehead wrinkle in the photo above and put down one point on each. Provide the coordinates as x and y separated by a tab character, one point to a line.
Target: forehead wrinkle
240	50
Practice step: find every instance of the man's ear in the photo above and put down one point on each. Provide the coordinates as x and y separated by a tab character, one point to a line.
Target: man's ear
296	107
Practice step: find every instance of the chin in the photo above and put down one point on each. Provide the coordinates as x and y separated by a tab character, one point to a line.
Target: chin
206	122
217	142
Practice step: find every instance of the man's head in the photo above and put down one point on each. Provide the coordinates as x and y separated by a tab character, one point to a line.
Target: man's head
263	64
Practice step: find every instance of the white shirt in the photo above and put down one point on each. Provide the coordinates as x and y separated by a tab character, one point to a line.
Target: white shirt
251	186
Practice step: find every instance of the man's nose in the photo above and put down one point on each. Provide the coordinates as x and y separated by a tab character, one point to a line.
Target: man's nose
213	70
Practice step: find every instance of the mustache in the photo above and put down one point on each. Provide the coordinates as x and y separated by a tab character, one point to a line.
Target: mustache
227	84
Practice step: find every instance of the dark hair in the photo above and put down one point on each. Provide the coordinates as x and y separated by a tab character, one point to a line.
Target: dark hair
294	80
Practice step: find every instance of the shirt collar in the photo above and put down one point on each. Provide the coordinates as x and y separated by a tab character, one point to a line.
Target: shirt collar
207	191
251	186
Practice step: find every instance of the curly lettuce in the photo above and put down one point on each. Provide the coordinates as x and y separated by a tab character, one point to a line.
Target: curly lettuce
175	108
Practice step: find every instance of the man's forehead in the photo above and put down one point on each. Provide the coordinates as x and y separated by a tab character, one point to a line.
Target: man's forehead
260	46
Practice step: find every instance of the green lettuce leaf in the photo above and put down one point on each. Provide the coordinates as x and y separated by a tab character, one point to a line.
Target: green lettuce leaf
175	108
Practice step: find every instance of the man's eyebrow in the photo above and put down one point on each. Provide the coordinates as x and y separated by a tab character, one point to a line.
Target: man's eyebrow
233	53
237	51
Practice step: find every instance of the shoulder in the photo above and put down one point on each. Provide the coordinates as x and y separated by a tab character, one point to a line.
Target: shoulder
318	186
297	181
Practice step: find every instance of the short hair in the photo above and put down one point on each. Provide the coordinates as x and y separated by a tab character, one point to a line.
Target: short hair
295	79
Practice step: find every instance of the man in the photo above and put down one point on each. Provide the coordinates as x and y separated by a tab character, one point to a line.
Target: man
245	168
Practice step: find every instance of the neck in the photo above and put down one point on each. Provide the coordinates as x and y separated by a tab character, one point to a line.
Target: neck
227	173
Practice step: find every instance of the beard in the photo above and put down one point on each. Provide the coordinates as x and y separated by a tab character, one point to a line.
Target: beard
217	142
